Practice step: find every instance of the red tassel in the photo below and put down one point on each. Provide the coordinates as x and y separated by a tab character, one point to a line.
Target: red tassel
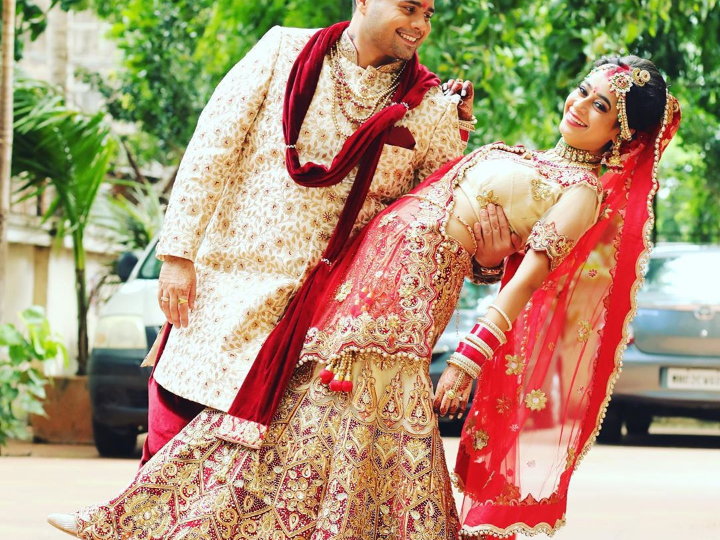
335	385
346	386
326	376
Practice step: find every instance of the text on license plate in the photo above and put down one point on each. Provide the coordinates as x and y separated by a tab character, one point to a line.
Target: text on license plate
692	378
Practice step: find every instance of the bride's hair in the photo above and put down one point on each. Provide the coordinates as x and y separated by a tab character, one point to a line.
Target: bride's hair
645	104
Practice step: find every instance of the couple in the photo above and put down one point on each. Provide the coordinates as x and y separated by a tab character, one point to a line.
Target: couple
332	432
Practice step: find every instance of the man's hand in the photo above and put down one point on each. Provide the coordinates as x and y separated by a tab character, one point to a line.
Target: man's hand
466	92
452	392
176	291
495	240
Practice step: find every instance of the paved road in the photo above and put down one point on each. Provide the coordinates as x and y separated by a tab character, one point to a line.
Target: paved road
661	487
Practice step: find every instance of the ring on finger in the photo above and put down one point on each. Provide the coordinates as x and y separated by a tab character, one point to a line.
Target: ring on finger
451	394
182	300
164	299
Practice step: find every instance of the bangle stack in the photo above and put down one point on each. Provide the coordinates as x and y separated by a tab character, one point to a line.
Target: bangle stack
480	344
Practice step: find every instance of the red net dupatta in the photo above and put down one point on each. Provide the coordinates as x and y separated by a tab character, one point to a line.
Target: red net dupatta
541	399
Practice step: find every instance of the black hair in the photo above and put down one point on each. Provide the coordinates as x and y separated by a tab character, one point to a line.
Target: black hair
645	104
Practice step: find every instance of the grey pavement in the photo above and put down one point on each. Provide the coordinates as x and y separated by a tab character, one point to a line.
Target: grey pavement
659	487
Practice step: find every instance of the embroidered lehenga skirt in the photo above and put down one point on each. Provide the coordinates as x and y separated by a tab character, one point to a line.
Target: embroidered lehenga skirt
360	466
363	465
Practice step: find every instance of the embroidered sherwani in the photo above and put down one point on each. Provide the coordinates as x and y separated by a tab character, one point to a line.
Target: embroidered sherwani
252	232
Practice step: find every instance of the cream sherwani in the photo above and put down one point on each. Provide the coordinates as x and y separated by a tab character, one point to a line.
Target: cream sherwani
254	233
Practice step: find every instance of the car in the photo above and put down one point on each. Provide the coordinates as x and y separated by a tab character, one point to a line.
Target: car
127	326
672	363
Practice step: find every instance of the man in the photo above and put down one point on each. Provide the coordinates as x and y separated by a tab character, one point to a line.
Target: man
240	235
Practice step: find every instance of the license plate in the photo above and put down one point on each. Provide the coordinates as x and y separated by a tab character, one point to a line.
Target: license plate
692	379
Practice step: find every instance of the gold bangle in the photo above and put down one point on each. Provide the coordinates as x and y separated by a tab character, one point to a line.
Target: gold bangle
479	345
464	363
503	315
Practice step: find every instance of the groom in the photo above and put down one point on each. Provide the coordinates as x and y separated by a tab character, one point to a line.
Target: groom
249	217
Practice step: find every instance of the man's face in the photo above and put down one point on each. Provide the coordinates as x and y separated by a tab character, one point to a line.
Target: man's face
394	29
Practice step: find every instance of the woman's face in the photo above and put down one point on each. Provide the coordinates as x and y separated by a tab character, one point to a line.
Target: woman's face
590	115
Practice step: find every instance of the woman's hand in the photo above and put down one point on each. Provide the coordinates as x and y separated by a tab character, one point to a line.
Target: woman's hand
466	92
452	392
494	238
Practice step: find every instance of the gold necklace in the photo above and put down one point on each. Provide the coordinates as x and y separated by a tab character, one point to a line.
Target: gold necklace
355	107
576	156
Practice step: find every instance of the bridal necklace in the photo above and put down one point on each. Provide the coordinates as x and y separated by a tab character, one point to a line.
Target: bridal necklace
355	107
575	156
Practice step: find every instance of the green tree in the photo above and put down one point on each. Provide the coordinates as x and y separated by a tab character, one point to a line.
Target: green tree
76	150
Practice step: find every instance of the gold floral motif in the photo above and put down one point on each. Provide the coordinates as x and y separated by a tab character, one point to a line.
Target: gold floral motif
487	197
343	291
540	190
536	400
502	404
584	330
480	439
514	364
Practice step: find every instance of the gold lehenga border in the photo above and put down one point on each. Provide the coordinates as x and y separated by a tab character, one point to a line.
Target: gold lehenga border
517	527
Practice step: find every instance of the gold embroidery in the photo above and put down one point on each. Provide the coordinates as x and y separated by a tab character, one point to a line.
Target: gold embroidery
343	291
570	459
480	439
387	218
540	190
503	405
584	329
515	364
487	197
544	237
536	400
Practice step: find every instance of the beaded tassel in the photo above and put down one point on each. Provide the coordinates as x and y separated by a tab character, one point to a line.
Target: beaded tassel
338	375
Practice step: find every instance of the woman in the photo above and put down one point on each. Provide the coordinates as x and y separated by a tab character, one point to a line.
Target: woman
353	450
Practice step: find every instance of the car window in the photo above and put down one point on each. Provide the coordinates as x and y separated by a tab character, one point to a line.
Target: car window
685	278
150	268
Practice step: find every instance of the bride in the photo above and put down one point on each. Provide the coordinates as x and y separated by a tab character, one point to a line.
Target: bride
351	448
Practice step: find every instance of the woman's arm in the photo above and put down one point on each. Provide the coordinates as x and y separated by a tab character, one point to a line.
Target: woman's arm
550	241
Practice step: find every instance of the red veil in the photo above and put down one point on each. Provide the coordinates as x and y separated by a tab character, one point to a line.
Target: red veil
541	399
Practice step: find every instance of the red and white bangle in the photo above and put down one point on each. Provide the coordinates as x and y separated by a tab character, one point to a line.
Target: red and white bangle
469	367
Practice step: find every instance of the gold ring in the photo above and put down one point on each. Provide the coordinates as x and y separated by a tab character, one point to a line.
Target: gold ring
164	299
451	394
182	301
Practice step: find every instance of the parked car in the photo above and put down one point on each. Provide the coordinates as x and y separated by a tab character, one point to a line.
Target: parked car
672	364
127	326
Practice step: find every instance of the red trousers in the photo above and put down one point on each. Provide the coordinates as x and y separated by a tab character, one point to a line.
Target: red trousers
168	414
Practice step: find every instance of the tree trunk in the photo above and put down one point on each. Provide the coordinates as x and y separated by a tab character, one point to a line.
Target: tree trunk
82	302
6	134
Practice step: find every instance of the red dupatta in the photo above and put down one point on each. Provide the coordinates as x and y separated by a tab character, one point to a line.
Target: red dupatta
541	399
264	385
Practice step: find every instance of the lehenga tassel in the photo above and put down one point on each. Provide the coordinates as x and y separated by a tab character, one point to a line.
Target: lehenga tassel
338	375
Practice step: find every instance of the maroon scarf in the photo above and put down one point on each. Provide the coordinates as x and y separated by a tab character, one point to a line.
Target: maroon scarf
268	378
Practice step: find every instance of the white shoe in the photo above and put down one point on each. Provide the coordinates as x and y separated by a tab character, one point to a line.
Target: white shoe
64	522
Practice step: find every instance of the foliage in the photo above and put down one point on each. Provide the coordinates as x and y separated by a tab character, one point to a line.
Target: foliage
133	216
523	56
22	380
31	20
76	151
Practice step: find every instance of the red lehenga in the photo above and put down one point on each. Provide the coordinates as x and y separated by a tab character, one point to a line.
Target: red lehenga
362	465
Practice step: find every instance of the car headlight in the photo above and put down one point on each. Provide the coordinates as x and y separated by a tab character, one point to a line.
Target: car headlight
120	332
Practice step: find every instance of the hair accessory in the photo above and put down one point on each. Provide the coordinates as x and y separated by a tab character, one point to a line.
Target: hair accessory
621	80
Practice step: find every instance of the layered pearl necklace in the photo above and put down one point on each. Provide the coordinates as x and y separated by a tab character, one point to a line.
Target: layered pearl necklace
355	107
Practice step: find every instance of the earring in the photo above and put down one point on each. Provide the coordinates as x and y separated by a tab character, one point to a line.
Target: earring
612	159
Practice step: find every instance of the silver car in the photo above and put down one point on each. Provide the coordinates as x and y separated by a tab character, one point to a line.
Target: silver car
672	363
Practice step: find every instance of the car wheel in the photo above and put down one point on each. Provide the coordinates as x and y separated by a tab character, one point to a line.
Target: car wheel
638	424
112	441
611	431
